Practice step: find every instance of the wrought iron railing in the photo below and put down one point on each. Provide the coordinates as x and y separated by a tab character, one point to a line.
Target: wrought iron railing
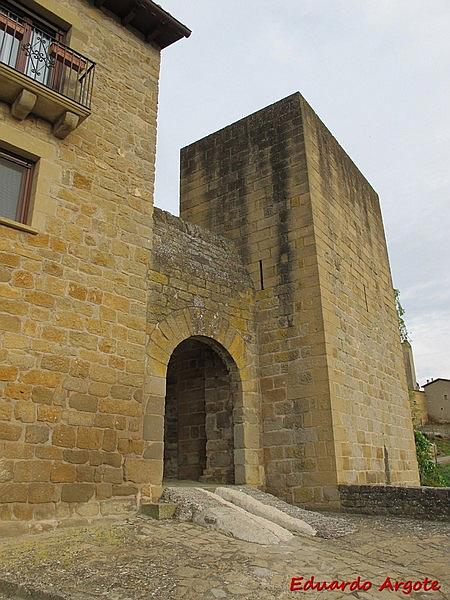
38	53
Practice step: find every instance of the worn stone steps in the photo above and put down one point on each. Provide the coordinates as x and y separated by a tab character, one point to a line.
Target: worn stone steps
249	514
206	508
324	524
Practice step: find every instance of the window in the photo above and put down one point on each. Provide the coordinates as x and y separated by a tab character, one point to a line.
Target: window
35	48
28	44
16	176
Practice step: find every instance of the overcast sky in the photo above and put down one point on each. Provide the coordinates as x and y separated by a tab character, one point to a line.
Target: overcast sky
377	72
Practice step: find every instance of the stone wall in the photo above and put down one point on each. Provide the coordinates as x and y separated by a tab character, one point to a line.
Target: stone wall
437	395
309	230
249	182
419	407
200	289
372	423
220	398
73	297
417	502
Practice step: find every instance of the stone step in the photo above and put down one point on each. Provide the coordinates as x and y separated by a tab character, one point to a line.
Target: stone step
298	520
209	510
266	511
235	510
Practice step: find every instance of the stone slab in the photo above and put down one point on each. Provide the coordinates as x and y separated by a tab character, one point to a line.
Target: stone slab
158	510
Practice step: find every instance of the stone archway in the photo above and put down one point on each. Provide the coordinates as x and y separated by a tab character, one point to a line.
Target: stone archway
202	389
164	339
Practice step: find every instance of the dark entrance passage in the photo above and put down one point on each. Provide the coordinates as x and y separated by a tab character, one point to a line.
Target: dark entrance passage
198	431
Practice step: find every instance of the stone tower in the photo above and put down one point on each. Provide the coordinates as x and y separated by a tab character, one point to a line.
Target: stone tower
309	229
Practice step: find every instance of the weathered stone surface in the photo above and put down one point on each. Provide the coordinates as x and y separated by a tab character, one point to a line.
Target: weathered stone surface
6	470
32	470
43	492
159	510
141	470
77	561
62	473
208	509
256	507
64	436
77	492
414	502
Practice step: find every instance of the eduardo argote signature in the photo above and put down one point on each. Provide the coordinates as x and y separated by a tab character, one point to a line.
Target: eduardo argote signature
302	584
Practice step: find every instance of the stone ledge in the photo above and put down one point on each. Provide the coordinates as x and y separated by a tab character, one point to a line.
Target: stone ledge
16	225
429	503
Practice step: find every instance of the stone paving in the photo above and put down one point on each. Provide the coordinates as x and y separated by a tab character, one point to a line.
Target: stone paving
140	559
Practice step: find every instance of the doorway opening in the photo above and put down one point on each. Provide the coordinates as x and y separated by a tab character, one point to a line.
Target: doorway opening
202	383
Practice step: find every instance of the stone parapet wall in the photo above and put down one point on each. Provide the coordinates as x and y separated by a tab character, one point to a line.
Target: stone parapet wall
418	502
193	267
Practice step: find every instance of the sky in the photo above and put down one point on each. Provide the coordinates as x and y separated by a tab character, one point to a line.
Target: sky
377	72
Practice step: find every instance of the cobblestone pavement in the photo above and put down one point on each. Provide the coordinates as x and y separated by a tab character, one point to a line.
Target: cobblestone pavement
139	559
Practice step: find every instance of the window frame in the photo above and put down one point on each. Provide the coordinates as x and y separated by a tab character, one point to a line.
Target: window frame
24	198
32	23
33	18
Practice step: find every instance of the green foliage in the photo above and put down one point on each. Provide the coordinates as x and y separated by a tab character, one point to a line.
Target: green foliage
429	473
443	444
445	472
404	335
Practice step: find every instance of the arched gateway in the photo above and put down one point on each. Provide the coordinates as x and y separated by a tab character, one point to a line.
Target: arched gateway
202	415
202	389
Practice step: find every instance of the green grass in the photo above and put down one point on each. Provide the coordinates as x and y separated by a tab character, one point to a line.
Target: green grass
443	445
445	472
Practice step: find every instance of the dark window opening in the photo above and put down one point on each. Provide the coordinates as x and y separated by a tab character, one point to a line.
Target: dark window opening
16	175
261	274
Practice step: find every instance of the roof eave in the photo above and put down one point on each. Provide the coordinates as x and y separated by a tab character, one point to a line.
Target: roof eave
150	20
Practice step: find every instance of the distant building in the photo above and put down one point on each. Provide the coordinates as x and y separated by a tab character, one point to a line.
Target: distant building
437	394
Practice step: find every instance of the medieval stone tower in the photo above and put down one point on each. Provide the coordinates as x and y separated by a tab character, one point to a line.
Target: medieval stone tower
309	230
251	341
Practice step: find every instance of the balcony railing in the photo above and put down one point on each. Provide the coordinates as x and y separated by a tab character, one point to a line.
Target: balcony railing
38	54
